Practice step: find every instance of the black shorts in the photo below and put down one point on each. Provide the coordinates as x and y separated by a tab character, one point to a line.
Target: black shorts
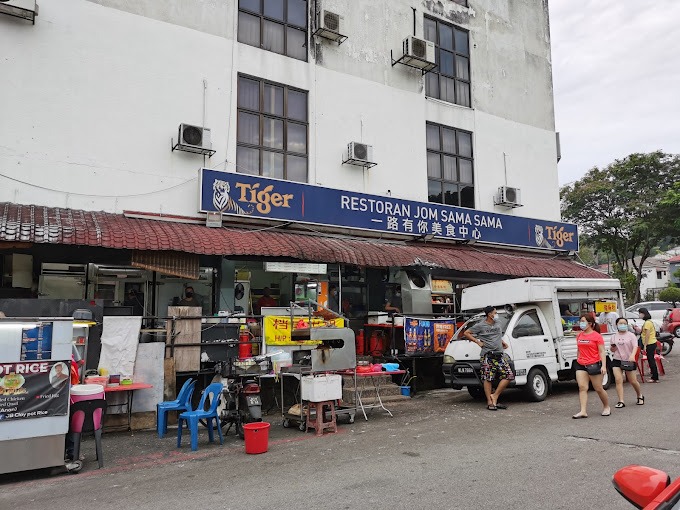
616	363
577	366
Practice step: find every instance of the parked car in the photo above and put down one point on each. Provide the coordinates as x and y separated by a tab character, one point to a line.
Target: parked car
671	322
657	309
635	320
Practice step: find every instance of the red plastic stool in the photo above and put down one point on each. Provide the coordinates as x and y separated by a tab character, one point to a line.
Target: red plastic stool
319	423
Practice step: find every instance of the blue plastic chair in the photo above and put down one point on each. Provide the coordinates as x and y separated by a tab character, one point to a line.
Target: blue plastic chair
181	403
192	418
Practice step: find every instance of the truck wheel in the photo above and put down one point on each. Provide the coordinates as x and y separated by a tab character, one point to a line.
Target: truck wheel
476	392
537	385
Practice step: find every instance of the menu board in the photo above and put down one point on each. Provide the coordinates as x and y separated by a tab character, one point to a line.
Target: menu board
36	342
34	389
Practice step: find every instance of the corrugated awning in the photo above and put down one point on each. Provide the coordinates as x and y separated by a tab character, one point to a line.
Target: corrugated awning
37	224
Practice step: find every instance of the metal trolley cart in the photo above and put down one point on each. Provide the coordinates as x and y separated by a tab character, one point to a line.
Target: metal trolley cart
335	352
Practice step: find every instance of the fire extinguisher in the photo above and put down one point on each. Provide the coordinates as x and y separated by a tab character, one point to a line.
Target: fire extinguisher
245	348
360	343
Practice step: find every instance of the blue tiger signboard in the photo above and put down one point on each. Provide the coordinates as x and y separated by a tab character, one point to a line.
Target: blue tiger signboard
260	197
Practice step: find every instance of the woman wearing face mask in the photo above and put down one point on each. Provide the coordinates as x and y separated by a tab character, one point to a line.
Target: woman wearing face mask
648	337
624	346
590	364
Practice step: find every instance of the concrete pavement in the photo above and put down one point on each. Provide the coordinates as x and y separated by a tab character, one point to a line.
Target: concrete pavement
440	450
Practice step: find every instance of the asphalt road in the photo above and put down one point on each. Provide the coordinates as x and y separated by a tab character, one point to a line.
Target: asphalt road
440	450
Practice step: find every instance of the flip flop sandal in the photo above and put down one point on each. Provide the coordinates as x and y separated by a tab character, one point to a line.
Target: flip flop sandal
501	406
641	401
579	416
492	408
620	405
607	413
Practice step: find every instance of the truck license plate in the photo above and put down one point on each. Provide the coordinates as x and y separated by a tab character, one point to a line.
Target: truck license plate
254	401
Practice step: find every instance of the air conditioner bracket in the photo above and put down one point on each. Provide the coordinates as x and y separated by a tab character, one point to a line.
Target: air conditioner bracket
358	162
416	63
190	148
330	35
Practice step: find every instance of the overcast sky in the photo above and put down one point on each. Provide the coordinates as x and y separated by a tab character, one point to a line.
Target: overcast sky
616	72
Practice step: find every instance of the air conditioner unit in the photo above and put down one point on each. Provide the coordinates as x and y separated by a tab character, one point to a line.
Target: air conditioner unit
194	139
418	52
328	25
360	154
330	21
194	136
509	197
24	9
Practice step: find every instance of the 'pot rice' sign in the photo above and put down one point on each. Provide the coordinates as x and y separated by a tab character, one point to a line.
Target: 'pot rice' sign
34	389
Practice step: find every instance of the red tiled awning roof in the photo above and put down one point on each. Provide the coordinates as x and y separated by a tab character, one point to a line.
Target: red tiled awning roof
37	224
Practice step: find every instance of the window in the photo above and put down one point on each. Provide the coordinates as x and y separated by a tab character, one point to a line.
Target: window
451	81
527	325
271	130
660	274
274	25
449	166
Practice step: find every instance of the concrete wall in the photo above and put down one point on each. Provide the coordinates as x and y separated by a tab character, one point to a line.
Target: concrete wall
93	93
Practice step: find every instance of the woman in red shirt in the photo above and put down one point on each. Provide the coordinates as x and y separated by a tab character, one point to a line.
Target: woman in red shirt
590	364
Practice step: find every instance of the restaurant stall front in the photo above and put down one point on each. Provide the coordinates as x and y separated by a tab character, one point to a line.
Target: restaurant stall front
388	266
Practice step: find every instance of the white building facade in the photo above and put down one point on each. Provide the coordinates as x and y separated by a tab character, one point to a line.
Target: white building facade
94	92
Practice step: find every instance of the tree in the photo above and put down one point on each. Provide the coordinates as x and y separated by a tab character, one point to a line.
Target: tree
672	199
627	208
670	294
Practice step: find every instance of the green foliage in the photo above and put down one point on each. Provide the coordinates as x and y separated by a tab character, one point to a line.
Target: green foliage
670	294
629	283
671	199
627	208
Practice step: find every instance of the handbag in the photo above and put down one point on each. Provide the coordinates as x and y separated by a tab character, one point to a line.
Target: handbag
628	366
593	368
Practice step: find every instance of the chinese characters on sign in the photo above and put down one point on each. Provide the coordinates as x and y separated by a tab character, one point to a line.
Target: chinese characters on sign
254	196
277	329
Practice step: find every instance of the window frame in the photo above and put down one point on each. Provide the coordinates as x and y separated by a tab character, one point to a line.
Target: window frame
456	55
284	23
285	119
536	318
457	155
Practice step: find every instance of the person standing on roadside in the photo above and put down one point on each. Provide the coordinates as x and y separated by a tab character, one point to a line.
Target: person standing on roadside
590	365
648	337
488	335
625	347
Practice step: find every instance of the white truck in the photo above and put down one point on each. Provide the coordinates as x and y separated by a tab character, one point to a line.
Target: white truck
542	348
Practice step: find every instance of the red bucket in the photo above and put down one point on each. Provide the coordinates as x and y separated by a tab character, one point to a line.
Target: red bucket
257	437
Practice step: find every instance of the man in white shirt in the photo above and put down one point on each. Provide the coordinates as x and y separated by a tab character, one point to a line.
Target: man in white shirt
608	318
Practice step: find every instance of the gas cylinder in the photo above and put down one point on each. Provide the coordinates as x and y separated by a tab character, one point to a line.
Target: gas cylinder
245	348
360	342
376	344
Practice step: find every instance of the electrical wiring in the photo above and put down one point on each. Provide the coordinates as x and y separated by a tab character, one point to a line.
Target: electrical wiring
97	196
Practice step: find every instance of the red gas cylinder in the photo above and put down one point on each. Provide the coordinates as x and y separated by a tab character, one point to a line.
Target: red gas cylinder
245	348
376	345
360	343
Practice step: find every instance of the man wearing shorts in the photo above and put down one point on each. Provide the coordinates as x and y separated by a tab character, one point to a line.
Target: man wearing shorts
488	335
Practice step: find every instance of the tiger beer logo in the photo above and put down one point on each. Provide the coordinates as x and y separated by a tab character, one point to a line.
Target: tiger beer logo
558	235
256	198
